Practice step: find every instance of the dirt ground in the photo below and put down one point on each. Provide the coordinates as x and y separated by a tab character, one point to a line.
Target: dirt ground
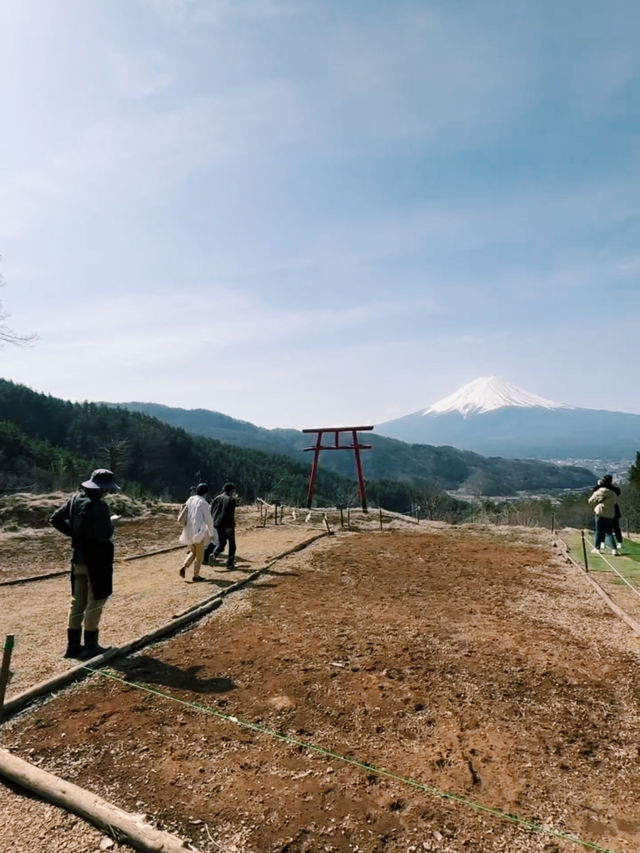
377	691
147	590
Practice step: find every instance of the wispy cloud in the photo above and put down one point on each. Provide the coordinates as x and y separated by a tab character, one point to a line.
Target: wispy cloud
199	12
288	184
150	152
139	75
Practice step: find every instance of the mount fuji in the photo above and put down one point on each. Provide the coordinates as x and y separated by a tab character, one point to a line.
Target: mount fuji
495	418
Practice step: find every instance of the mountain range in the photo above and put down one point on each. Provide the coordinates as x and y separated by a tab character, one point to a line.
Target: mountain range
49	444
491	416
447	467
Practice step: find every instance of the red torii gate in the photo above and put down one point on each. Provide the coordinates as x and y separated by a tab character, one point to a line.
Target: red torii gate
355	446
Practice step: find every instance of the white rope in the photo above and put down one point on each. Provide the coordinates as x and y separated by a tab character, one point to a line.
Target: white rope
622	578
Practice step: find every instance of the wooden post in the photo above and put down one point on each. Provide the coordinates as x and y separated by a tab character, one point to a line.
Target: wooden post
553	522
361	489
276	504
326	523
4	672
341	507
584	552
108	817
348	518
314	468
380	518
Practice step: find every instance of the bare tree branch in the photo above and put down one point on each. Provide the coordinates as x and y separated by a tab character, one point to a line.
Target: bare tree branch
7	335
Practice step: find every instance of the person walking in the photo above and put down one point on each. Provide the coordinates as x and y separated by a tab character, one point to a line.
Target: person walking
603	500
86	519
197	532
223	509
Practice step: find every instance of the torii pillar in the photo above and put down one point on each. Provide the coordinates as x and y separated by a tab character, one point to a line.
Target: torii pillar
355	446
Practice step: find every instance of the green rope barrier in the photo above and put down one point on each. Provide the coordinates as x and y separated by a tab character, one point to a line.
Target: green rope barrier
371	768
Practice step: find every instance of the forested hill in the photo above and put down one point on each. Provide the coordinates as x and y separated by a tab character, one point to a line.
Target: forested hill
48	444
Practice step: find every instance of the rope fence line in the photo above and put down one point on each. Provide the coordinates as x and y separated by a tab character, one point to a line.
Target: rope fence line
622	578
628	620
439	793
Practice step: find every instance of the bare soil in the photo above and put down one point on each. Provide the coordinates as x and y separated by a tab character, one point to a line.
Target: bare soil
373	692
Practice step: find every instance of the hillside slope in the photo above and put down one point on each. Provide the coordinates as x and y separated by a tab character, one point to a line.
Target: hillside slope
390	459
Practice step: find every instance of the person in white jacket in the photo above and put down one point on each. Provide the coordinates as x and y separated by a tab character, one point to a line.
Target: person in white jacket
197	532
603	500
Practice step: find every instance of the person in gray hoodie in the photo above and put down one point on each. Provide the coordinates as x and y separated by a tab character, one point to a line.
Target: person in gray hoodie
603	500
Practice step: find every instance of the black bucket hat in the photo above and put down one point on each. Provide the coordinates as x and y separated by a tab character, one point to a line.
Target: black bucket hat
101	478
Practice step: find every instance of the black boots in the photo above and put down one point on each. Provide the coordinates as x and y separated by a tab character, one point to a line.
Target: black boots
91	648
74	646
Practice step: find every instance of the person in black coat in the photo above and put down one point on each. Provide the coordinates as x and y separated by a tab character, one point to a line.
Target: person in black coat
86	519
223	509
607	482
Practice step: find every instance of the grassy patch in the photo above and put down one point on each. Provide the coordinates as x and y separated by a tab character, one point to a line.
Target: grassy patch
628	564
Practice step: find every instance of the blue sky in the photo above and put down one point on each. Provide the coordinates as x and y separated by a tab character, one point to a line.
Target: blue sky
321	213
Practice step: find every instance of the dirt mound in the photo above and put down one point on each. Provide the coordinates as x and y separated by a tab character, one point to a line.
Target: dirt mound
22	510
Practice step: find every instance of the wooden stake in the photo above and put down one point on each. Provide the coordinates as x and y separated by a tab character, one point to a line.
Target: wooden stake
4	672
584	552
380	518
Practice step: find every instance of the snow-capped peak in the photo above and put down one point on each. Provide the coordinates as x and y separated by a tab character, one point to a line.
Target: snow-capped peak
485	395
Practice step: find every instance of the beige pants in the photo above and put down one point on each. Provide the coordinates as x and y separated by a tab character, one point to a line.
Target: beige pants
84	607
195	556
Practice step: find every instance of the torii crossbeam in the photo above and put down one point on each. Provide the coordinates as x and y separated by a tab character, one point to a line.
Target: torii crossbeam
355	446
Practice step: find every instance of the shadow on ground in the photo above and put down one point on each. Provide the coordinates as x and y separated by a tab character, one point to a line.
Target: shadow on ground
150	670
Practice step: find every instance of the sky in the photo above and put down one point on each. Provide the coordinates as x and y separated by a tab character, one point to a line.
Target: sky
309	213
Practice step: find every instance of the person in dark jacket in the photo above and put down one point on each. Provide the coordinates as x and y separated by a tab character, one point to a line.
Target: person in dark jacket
223	509
617	531
86	519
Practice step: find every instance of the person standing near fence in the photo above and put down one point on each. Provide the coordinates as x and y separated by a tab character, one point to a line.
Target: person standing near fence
87	520
223	510
604	501
617	531
197	532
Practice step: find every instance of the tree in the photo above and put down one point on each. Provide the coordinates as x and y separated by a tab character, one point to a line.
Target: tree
118	452
7	335
432	501
631	496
